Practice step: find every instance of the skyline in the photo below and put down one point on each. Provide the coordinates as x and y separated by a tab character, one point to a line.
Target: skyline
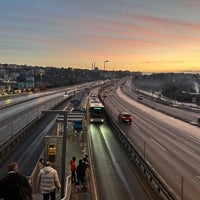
134	35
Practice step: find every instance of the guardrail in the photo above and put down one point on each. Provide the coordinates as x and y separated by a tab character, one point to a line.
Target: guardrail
180	105
162	190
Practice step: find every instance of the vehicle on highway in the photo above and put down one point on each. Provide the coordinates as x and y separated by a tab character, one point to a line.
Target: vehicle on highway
140	97
95	111
66	94
198	119
104	95
125	117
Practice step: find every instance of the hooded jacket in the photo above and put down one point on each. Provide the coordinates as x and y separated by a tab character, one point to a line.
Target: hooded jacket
48	180
73	165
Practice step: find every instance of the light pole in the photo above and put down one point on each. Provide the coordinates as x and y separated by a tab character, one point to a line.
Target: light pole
104	66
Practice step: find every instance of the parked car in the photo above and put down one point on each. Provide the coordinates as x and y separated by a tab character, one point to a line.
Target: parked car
125	117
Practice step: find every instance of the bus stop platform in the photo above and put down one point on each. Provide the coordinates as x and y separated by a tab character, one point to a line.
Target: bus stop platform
75	147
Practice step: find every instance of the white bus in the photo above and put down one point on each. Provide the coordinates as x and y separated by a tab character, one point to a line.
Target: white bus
95	111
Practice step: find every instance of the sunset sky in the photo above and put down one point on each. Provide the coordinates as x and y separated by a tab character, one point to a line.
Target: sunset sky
134	35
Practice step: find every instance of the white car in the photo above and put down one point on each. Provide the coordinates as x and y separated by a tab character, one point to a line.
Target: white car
198	119
140	97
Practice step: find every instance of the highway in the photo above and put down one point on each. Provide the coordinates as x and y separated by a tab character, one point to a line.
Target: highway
30	148
171	146
179	111
14	118
17	111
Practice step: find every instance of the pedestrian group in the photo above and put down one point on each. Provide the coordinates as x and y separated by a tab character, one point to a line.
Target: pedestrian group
78	173
15	186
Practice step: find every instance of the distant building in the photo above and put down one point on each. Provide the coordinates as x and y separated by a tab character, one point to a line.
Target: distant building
25	83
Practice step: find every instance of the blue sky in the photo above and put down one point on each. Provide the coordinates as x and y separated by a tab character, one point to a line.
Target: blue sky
135	35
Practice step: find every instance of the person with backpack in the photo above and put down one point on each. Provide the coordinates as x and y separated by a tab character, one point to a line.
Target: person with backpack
80	171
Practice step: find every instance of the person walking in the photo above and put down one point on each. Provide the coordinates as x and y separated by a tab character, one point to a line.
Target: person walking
73	169
14	185
85	160
86	166
80	174
48	181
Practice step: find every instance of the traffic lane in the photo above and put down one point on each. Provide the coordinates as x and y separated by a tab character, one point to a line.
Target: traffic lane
13	119
17	98
171	145
183	114
171	155
116	177
27	152
26	106
178	153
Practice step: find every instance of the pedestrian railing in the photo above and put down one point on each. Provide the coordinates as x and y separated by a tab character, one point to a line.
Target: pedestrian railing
68	188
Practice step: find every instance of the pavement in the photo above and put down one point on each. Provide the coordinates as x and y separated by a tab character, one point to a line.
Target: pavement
76	146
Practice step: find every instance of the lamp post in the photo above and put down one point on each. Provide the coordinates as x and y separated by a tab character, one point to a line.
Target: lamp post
104	66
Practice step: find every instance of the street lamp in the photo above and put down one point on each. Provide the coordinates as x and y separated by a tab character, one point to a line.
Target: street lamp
105	66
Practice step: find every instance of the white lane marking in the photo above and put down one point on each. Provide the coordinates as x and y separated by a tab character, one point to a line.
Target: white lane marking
157	144
198	177
3	128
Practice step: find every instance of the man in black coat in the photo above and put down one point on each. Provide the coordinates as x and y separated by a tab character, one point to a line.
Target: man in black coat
11	185
80	174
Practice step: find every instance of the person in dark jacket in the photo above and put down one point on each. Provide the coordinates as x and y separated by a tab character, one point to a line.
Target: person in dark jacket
85	161
10	185
85	165
80	171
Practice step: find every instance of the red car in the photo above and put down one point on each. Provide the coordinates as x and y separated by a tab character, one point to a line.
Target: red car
125	117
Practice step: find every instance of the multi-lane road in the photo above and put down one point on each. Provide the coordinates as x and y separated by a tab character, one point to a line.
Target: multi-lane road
169	145
29	149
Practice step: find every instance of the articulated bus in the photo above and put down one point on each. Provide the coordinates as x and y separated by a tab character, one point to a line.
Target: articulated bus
95	110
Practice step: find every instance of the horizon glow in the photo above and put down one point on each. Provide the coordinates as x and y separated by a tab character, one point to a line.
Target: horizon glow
146	36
